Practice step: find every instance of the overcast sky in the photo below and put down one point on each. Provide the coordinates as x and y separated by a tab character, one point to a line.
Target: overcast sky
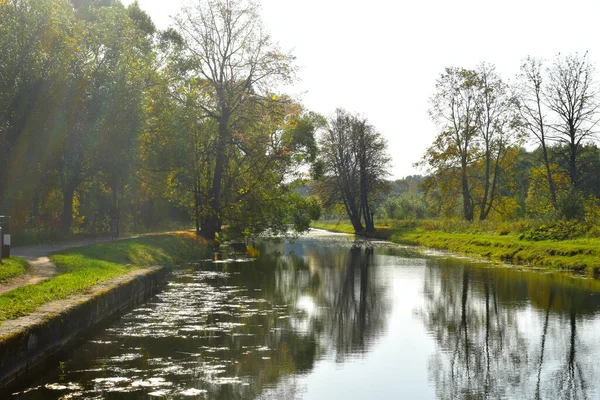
381	58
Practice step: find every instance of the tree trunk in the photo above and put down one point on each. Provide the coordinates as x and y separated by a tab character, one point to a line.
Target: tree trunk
3	188
196	208
115	201
35	207
364	198
354	215
573	165
466	195
551	184
212	225
486	186
66	219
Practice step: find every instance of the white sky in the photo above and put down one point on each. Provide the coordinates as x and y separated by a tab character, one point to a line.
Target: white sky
381	58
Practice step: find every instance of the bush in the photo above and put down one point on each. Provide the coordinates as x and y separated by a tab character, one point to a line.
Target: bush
559	230
572	205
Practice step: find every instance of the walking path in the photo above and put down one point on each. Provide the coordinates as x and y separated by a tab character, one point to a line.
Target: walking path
40	266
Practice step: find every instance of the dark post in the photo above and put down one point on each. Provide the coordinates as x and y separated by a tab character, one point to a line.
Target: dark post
5	224
1	243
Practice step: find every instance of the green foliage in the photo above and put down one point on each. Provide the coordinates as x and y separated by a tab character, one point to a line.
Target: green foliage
305	210
558	230
126	129
84	267
76	109
471	158
285	212
408	205
571	205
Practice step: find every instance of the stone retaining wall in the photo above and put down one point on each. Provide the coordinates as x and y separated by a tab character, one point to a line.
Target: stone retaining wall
29	341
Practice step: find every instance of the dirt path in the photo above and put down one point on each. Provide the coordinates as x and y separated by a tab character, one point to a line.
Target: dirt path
40	266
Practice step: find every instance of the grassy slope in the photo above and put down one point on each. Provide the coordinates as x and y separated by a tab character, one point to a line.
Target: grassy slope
576	254
83	267
12	267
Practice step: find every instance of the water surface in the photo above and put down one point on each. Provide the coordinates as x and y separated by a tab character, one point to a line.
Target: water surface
330	317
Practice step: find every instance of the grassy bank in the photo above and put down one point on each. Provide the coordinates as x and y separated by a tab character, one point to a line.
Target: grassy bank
507	245
82	268
11	268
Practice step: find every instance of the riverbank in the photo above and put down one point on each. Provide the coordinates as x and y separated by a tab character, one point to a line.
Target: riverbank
81	268
580	255
94	283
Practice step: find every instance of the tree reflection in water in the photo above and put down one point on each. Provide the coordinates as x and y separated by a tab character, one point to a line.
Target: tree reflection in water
350	303
357	318
486	346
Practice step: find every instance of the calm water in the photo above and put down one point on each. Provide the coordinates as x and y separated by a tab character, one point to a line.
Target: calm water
327	317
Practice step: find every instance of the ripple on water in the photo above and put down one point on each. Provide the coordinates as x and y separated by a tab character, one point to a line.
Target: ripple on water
192	392
63	386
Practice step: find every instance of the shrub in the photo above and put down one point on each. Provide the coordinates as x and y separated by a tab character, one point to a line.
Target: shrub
558	230
571	205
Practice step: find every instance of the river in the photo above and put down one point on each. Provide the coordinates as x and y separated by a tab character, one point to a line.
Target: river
326	316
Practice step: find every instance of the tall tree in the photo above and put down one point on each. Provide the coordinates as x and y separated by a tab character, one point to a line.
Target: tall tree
532	110
477	142
373	162
355	164
456	109
228	49
340	168
496	133
119	83
36	50
572	96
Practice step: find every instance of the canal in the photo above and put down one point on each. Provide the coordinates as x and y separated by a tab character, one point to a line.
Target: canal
326	316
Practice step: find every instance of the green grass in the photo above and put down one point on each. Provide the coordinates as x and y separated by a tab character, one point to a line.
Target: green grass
504	245
11	268
84	267
334	226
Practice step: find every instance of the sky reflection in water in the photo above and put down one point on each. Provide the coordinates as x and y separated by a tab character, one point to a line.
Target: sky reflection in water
327	317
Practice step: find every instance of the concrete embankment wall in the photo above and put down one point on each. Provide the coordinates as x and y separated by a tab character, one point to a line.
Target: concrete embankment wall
28	342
